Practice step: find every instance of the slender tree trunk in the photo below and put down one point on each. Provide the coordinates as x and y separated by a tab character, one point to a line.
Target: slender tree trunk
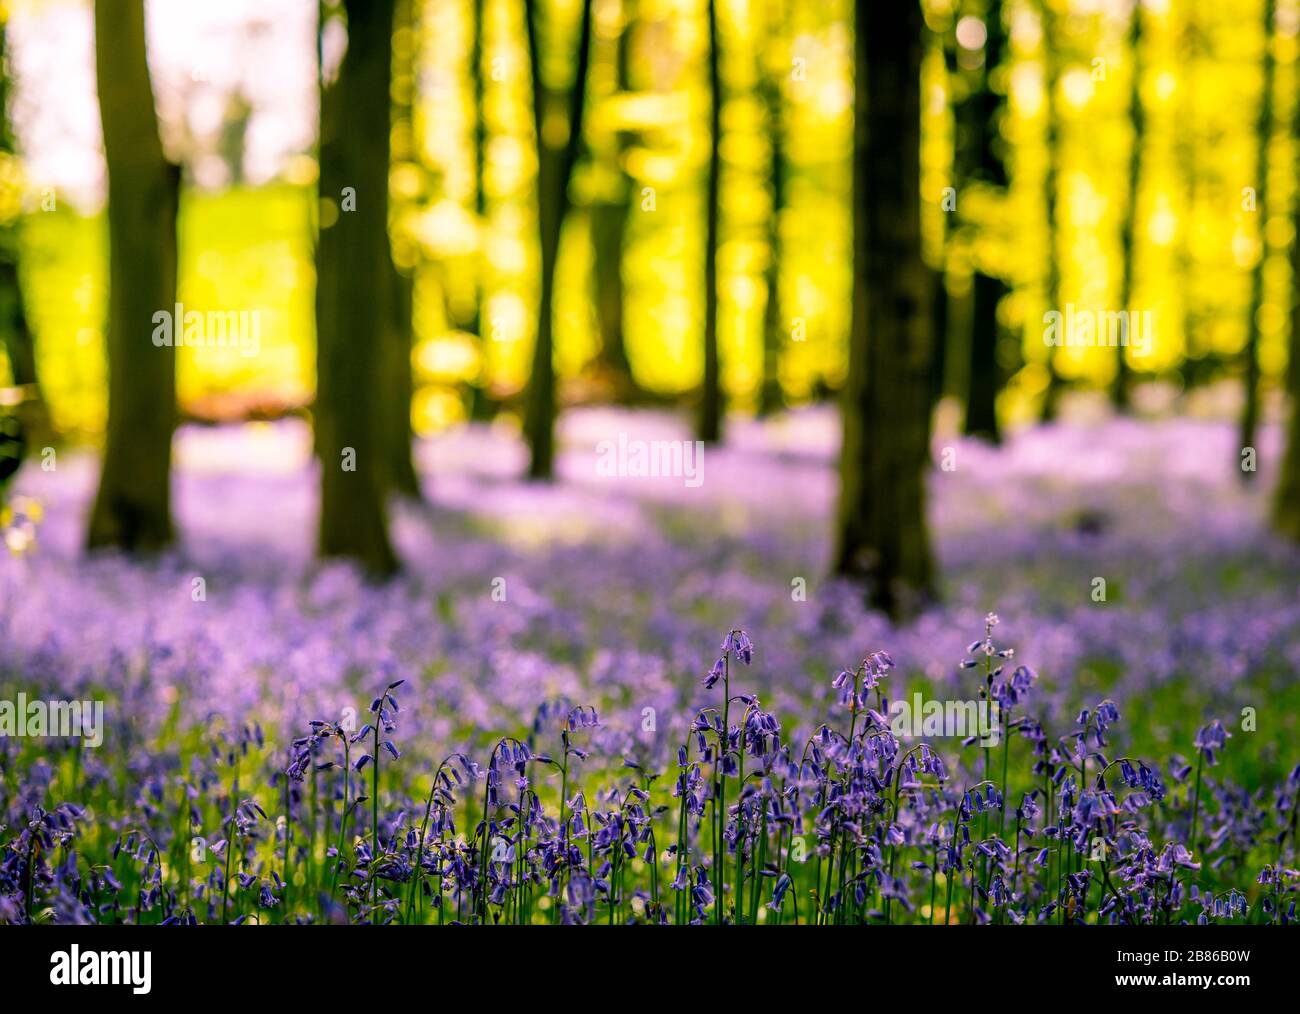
942	300
479	400
940	307
1293	362
354	293
1121	384
987	292
1286	498
770	394
33	413
1186	149
1052	286
554	168
1264	132
988	289
608	236
609	221
398	386
133	505
709	424
882	531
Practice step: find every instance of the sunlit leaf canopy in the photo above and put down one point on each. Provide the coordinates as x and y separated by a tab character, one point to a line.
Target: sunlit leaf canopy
236	95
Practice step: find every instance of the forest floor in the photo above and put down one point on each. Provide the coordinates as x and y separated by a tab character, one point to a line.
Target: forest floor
519	600
570	581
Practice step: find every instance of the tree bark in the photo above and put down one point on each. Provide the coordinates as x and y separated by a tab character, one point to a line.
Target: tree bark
988	289
1264	132
1052	287
882	531
1286	498
32	412
480	408
709	424
399	386
1121	384
942	299
132	507
554	167
608	235
610	212
353	294
1198	364
770	394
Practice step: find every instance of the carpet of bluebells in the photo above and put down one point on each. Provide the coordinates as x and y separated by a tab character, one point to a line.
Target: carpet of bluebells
618	701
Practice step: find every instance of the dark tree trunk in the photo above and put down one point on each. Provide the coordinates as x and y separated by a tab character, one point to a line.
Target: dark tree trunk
1121	384
988	289
1264	131
985	372
942	300
608	235
609	221
1052	287
1186	151
709	424
554	167
1293	362
354	290
32	412
479	401
774	333
1286	499
882	533
398	385
133	505
940	307
398	388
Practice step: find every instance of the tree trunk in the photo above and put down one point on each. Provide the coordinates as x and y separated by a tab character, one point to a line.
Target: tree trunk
479	400
709	424
610	212
1186	155
942	299
882	534
988	289
133	505
770	394
1286	499
1121	384
1264	131
940	307
353	294
32	412
608	234
398	385
985	372
1052	286
554	167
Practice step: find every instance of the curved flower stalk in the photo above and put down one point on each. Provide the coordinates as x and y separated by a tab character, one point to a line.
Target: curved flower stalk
454	771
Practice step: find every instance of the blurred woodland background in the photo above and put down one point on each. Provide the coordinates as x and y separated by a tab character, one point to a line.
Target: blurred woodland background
450	211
